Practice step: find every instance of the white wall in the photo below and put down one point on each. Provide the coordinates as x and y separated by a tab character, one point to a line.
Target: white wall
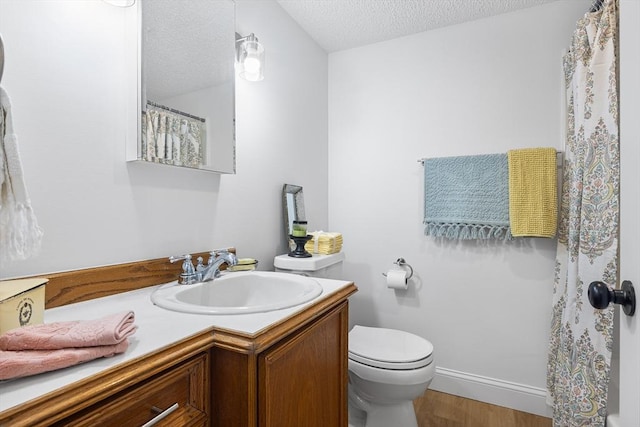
481	87
212	104
625	388
66	74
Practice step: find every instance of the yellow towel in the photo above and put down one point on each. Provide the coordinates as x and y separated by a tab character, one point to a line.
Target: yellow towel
533	200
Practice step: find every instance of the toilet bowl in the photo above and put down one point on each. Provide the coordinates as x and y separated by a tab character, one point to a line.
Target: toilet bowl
388	369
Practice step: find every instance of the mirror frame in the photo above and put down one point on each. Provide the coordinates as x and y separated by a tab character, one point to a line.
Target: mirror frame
293	206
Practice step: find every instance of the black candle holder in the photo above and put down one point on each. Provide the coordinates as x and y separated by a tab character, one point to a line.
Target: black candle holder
300	251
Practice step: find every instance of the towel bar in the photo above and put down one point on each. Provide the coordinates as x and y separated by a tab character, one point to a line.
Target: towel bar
558	153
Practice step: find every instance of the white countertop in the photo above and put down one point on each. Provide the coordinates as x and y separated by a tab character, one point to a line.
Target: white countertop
157	328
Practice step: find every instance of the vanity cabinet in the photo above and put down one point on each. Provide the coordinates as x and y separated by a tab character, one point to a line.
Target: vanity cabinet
132	393
293	379
302	381
292	372
178	396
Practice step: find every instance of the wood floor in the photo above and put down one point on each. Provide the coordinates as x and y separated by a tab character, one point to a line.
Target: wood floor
435	409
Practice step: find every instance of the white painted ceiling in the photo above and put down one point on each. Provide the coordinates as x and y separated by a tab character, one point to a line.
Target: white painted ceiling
343	24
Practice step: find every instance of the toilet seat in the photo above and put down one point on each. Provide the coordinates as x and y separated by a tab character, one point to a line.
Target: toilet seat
389	348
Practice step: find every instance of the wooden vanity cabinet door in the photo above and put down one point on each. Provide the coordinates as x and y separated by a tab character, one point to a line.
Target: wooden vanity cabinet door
186	384
302	381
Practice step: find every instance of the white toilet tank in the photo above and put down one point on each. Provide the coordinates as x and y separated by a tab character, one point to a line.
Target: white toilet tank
324	266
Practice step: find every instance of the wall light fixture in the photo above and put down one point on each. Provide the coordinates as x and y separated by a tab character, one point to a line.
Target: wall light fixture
249	58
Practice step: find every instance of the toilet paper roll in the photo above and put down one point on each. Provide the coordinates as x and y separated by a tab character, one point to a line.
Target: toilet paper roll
397	279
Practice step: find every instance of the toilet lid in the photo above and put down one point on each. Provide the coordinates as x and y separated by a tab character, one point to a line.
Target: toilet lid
388	348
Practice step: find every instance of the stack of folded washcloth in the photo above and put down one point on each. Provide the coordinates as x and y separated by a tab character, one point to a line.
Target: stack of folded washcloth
324	243
41	348
244	264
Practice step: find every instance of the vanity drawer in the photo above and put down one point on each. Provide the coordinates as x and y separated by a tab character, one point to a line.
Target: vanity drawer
185	385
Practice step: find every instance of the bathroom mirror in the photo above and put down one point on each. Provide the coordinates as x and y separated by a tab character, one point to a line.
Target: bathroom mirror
293	206
188	84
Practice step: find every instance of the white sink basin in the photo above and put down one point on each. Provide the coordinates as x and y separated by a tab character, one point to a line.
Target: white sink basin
239	293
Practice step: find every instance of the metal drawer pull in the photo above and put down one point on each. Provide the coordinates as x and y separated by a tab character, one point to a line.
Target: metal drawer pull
162	414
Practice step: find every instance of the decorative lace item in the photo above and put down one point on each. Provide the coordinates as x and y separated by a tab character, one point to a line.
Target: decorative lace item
20	235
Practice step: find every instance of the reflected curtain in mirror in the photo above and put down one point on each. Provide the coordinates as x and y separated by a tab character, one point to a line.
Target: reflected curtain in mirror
172	137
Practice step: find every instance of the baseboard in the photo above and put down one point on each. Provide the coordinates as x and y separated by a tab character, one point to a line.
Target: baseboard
512	395
613	420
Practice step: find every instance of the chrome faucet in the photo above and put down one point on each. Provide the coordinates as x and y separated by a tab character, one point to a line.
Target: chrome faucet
203	273
216	259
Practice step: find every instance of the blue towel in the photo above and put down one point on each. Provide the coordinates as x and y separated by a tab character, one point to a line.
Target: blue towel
467	197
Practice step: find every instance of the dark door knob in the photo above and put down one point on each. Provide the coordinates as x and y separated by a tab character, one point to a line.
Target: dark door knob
600	296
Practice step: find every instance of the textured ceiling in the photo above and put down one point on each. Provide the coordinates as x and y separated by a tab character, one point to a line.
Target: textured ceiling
344	24
173	28
183	43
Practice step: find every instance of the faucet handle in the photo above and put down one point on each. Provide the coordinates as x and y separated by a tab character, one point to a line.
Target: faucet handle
175	258
215	254
219	251
187	266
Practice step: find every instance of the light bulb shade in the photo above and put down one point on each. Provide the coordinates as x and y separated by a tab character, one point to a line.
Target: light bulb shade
250	59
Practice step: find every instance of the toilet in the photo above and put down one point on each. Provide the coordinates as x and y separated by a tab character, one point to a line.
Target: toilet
388	368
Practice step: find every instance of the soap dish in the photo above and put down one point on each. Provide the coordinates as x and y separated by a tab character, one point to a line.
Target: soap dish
244	264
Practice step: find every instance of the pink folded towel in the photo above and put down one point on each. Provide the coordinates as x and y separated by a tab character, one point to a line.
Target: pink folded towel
15	364
107	331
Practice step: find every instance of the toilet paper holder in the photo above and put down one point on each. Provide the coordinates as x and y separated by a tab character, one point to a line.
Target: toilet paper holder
400	262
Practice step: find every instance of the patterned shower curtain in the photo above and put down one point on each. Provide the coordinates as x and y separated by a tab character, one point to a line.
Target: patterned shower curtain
172	138
581	336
